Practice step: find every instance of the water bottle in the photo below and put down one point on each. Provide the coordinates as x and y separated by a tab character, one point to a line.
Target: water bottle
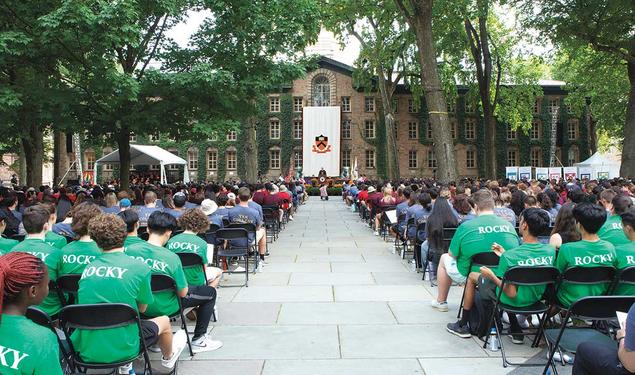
492	343
127	369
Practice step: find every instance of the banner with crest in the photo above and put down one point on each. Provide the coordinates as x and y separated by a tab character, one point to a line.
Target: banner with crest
321	141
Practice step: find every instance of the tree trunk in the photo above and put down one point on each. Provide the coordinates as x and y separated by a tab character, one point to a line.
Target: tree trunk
22	164
60	158
628	147
123	142
251	151
33	146
392	154
435	99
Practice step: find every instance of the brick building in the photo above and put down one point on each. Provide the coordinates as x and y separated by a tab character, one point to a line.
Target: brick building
279	133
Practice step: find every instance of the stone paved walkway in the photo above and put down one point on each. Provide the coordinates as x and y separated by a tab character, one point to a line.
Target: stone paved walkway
334	300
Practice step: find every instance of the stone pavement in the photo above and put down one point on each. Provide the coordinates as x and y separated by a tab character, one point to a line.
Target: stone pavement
335	300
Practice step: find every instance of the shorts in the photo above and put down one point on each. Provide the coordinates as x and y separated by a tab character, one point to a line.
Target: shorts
260	233
150	332
452	270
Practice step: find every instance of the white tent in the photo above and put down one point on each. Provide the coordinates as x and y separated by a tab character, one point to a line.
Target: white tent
148	155
599	166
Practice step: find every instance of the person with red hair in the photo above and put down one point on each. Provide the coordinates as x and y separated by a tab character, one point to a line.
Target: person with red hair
28	348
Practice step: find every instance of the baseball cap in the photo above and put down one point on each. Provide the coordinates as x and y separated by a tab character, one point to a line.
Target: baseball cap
231	196
208	206
125	203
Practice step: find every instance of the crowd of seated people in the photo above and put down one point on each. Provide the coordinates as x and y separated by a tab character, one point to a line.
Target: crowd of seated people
114	243
523	224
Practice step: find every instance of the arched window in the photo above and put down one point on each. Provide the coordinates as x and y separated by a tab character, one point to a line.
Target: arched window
321	91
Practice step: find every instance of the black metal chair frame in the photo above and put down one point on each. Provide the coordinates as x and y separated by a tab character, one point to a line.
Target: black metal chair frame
68	284
624	276
487	259
228	234
40	317
522	276
98	317
596	308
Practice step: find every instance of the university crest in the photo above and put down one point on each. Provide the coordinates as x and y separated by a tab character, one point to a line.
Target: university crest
322	145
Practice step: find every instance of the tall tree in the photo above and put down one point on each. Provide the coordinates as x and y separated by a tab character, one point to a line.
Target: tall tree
258	43
605	26
382	59
418	14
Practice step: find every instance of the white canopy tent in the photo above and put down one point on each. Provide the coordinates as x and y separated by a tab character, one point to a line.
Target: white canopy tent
148	155
598	165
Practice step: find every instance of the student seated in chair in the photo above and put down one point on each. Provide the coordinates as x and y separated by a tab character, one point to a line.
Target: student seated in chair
27	348
115	277
163	261
131	218
6	244
591	251
78	254
36	224
626	252
532	253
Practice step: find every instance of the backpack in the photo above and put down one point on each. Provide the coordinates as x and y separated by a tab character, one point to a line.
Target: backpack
482	312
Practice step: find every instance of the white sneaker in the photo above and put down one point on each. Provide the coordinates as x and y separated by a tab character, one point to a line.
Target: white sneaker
263	262
179	340
522	321
376	233
441	306
291	218
204	344
126	369
239	269
557	358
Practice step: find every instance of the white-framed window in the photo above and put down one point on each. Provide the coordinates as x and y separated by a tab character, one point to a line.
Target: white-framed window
512	158
470	158
537	106
298	104
553	104
192	159
274	104
369	129
321	91
297	129
573	156
346	103
412	107
535	157
429	130
370	159
413	130
89	156
212	160
534	132
395	105
511	132
413	159
346	158
274	129
155	137
213	137
469	106
432	159
572	130
133	137
297	158
369	104
231	135
155	167
274	159
470	128
346	129
174	167
231	160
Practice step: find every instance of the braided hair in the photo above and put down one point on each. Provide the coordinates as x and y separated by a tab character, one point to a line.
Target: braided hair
17	272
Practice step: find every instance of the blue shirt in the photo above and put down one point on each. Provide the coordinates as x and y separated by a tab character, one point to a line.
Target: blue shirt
401	209
256	207
223	212
63	229
410	211
110	210
215	219
144	213
240	214
176	213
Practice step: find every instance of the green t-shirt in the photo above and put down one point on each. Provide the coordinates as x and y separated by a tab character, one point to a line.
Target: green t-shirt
55	240
161	261
51	257
7	244
477	236
612	231
130	240
625	258
76	256
583	254
27	348
190	243
112	278
526	255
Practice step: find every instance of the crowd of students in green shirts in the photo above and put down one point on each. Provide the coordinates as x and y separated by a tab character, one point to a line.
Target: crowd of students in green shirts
115	267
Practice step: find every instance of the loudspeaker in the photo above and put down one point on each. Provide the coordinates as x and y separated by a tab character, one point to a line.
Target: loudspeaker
69	142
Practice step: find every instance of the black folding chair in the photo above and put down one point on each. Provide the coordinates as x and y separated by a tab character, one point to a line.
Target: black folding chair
448	234
522	277
272	224
487	259
41	318
400	240
97	317
383	220
68	285
160	283
595	308
235	234
251	230
194	260
625	276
